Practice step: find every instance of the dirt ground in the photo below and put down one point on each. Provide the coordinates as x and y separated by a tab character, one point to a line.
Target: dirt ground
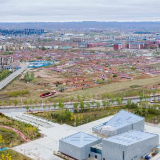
42	76
116	87
46	75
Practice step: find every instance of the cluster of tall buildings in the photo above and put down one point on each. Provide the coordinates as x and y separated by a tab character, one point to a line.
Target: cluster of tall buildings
6	62
121	138
16	32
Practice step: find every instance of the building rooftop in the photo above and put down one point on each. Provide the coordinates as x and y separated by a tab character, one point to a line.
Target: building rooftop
130	138
121	119
80	139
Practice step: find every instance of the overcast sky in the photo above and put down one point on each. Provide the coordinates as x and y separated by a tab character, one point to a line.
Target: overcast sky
79	10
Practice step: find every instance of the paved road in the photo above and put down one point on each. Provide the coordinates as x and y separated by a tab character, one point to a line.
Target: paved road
69	105
11	77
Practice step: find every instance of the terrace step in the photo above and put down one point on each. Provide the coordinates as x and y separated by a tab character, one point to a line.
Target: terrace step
37	121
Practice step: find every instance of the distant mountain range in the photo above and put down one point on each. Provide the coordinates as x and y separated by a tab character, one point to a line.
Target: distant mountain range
145	26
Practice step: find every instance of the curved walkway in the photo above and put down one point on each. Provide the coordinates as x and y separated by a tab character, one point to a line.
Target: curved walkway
18	132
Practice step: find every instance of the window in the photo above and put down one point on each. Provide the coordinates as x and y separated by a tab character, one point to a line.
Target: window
96	156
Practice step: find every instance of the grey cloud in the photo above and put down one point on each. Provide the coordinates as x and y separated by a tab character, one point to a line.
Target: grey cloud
79	10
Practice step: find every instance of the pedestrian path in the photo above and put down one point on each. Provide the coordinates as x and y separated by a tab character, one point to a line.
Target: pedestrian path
17	131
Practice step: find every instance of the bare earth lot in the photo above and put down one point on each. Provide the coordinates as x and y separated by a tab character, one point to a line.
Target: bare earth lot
116	87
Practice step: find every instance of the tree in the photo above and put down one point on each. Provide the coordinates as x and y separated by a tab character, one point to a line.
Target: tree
129	102
98	104
55	105
15	102
78	98
28	77
31	101
92	103
112	100
43	48
25	102
108	103
27	108
33	107
118	100
49	107
82	105
75	106
4	102
141	97
35	101
88	105
61	105
104	103
44	107
114	75
72	98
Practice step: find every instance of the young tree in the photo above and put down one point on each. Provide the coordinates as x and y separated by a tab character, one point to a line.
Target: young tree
112	100
98	104
104	104
55	105
61	105
49	107
108	103
88	105
82	105
44	107
25	102
15	102
75	106
33	107
27	108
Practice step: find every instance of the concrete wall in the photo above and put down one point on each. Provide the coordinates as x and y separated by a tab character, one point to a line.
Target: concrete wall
113	151
99	156
136	151
70	150
139	125
75	152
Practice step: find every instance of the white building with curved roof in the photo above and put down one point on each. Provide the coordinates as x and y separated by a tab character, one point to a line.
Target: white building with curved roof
122	122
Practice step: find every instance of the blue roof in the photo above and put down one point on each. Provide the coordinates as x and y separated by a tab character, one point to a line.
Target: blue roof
121	119
80	139
130	138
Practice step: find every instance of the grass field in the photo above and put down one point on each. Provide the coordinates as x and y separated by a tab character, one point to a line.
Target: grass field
15	155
